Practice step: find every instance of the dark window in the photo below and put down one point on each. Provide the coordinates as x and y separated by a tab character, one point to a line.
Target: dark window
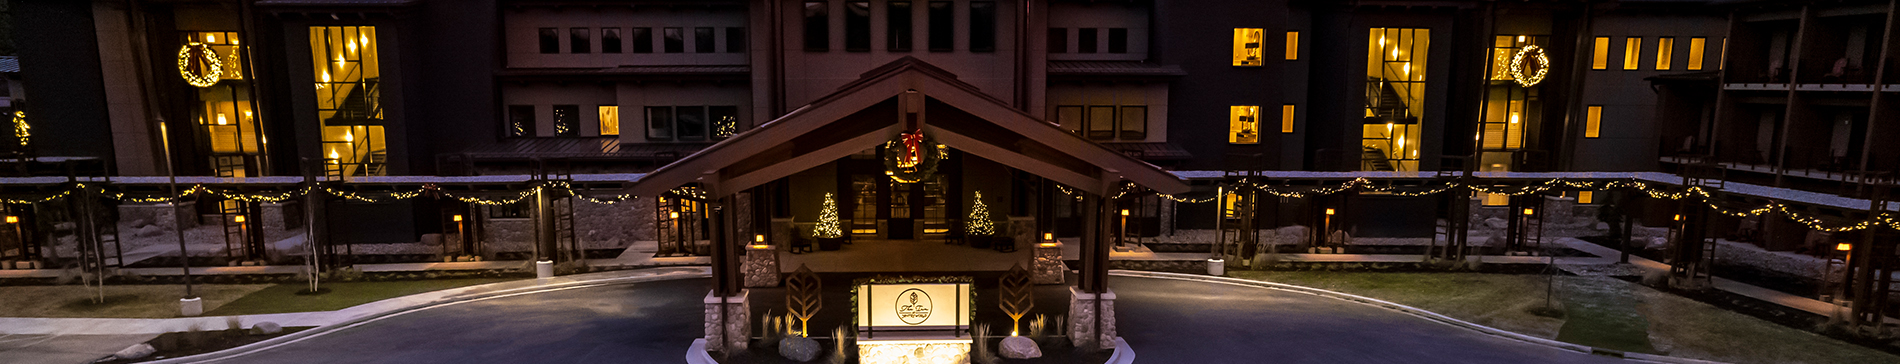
567	120
899	16
857	26
703	41
675	39
609	40
1101	124
735	40
725	120
692	122
517	210
1058	40
982	26
550	40
642	40
817	26
1117	40
1069	117
577	40
943	36
1085	40
1134	122
520	120
659	123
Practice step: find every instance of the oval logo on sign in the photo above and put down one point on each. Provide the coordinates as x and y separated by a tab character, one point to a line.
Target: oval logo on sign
913	306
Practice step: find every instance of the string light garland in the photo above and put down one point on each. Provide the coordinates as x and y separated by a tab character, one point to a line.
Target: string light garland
21	130
1529	53
199	64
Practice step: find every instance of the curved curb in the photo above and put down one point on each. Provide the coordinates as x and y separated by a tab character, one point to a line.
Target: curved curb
579	282
1416	312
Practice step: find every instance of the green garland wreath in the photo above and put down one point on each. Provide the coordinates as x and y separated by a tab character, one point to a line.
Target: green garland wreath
926	161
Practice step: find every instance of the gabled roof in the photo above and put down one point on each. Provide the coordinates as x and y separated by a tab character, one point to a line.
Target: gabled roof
834	127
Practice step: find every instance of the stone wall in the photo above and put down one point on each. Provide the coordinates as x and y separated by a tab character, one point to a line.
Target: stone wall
1081	319
738	312
596	226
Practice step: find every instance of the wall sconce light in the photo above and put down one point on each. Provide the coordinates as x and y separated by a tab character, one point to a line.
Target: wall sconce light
458	218
1529	212
13	219
1678	217
238	218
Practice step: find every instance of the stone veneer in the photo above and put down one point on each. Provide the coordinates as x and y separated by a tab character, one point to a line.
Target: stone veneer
1082	318
910	352
1048	267
738	322
761	266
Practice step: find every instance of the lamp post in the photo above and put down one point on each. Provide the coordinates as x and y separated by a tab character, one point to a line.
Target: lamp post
1124	237
19	235
679	237
1847	270
458	236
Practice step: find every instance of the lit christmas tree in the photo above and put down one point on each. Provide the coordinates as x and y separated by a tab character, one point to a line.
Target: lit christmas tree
828	221
980	224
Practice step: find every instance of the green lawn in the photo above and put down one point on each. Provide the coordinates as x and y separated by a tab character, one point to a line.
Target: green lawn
284	298
121	301
1607	313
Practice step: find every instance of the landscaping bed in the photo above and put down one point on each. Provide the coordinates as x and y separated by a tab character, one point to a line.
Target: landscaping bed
181	344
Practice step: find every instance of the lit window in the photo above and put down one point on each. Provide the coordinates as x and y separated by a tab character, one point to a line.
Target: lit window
609	120
1396	66
1723	62
1695	54
1600	59
345	68
1292	46
1665	50
1101	124
1632	51
1286	118
1247	46
1586	197
1245	125
1134	122
1593	122
1069	117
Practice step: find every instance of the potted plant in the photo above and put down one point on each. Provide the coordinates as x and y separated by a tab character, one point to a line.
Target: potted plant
829	235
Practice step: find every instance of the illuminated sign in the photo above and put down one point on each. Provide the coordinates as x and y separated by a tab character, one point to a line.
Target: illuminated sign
914	307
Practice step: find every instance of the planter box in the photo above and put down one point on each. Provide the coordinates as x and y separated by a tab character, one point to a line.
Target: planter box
830	243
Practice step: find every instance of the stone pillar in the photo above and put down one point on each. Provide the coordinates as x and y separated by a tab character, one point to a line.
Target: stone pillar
1048	266
737	322
761	266
1082	324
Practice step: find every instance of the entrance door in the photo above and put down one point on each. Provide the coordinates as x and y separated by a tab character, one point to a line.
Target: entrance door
903	198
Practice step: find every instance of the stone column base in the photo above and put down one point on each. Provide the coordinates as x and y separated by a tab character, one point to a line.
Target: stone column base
737	323
761	266
1048	266
1082	325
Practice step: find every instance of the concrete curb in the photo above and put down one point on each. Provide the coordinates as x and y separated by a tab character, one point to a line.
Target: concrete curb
577	281
1414	311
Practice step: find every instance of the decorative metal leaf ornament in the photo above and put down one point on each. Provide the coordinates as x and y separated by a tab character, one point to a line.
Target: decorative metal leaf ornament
1017	296
803	298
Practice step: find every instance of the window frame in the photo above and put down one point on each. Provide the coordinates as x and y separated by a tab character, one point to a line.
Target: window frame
817	26
1248	47
857	26
1235	119
1081	117
705	40
571	127
1292	45
610	42
1665	53
736	40
1089	123
983	26
680	128
1086	40
900	26
1117	46
1600	53
1632	53
1593	121
550	40
1058	40
609	126
673	39
642	38
1122	121
580	40
1698	46
1287	118
941	23
667	125
512	127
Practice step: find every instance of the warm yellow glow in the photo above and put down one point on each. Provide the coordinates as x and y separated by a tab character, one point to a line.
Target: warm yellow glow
238	218
1049	245
1520	39
1401	142
1593	122
247	115
1528	212
1678	217
1696	48
761	247
1632	53
221	120
1286	118
1329	211
13	219
609	120
758	238
1124	212
1840	247
1247	46
1048	236
1292	46
673	215
1243	125
458	218
349	137
1586	197
333	154
1665	52
200	65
